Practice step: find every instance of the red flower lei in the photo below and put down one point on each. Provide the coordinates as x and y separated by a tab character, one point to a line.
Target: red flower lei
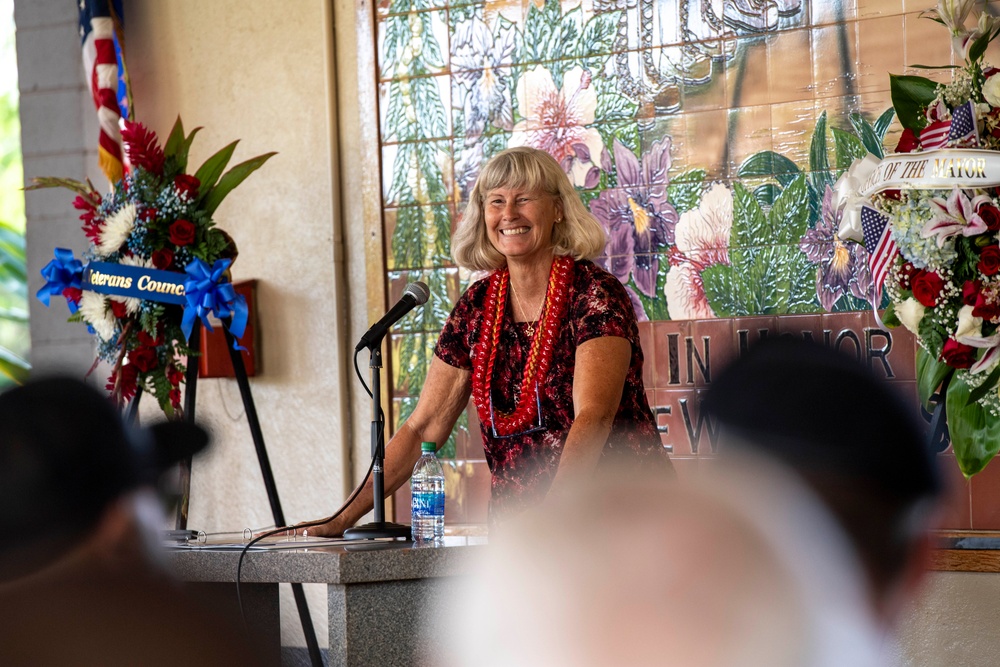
539	356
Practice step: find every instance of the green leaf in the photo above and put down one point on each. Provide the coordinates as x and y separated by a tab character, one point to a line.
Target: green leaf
175	139
789	217
975	436
930	374
870	140
208	173
232	178
818	161
184	149
766	194
721	291
978	47
13	366
848	148
889	317
883	122
684	191
988	386
749	222
769	163
42	182
910	96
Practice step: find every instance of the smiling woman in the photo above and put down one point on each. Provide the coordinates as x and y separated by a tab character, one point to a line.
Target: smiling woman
555	372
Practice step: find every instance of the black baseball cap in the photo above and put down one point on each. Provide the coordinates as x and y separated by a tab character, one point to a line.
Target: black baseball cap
66	453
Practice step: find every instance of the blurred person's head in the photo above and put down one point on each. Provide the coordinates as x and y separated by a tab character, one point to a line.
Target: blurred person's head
631	570
851	438
70	469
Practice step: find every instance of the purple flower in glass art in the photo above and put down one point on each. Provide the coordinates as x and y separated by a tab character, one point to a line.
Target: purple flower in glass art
638	218
842	268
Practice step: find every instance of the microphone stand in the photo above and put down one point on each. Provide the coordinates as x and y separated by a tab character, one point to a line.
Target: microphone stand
379	527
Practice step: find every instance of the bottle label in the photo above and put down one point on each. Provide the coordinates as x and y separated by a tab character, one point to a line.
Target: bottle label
427	504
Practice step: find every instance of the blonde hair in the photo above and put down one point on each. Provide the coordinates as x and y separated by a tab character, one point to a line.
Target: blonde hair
579	235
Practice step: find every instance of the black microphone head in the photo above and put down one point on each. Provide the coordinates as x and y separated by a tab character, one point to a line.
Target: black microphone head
419	291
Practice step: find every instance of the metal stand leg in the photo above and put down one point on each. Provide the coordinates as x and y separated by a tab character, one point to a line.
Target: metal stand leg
272	490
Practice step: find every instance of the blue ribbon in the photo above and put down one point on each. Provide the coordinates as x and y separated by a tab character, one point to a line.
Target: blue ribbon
61	273
207	295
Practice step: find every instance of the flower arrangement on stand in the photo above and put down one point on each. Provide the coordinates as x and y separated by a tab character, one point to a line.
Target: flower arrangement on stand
931	226
157	218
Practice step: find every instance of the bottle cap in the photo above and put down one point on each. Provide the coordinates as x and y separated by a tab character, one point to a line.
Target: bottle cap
428	446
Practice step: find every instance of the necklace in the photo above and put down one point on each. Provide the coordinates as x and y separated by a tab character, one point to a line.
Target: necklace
554	307
530	324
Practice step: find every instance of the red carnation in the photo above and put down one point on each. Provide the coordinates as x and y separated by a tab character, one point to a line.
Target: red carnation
175	398
989	260
182	233
957	355
142	148
163	258
907	142
118	309
144	359
187	186
927	287
990	215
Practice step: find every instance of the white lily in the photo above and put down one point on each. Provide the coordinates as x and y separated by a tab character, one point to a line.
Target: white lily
953	13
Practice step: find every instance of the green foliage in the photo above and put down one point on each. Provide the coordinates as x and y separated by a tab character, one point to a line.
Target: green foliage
231	179
768	273
930	374
975	435
684	191
910	96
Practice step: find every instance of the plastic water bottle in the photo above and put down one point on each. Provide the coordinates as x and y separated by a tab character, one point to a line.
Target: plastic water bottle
427	493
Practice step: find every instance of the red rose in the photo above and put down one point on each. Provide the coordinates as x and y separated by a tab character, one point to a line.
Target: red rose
187	186
957	355
118	309
927	287
989	260
907	142
990	215
148	341
988	310
182	233
970	292
148	214
163	258
144	359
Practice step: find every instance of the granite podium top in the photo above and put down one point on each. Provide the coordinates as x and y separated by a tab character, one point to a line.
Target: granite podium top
317	560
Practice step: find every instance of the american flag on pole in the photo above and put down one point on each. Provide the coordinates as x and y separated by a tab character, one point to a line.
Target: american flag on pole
101	37
881	248
960	128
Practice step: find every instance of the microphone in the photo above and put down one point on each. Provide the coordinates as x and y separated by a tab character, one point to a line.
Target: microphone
414	295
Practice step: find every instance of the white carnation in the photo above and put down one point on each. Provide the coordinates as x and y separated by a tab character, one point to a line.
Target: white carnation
117	229
910	312
96	312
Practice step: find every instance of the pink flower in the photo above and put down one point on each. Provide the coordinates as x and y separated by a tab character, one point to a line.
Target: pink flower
702	239
956	215
555	121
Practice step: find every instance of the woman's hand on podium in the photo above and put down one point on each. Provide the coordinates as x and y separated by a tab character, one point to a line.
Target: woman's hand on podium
333	528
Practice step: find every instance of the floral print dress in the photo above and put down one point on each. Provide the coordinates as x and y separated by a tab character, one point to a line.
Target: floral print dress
523	466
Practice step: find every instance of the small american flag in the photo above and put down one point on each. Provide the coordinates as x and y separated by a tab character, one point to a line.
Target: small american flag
963	124
961	128
100	34
881	248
